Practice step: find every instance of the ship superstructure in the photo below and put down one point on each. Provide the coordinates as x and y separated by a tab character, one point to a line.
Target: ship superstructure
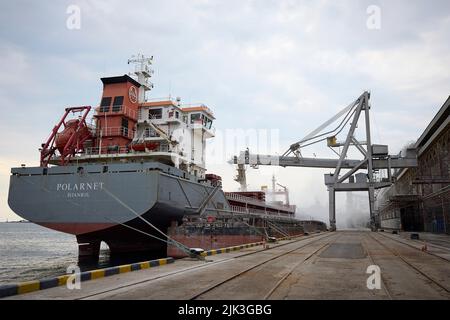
129	128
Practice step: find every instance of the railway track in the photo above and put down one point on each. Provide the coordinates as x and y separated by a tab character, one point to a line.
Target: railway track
272	259
383	280
429	244
277	285
208	265
411	265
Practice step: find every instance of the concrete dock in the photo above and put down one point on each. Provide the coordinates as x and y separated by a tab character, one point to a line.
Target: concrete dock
331	265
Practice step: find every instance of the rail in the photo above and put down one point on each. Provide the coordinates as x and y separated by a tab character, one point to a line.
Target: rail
169	98
115	131
241	198
199	105
257	212
106	150
413	266
272	259
116	110
146	280
115	150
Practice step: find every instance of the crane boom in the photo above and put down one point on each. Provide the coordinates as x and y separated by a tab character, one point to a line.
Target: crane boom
394	162
162	133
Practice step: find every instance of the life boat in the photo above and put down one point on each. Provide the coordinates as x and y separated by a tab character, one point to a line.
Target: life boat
71	127
143	146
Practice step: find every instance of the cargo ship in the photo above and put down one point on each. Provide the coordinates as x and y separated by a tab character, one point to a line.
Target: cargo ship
133	176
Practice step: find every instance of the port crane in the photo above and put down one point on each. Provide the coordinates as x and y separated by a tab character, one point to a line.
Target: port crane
375	157
241	178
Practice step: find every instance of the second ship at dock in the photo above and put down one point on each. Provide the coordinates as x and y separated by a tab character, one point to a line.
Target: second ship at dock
136	179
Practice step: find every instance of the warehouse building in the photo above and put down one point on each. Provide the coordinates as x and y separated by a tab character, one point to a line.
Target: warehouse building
419	200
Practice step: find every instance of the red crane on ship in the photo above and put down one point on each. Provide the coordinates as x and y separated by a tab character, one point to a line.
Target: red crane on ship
70	140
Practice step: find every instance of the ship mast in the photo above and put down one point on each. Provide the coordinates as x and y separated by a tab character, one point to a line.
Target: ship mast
142	73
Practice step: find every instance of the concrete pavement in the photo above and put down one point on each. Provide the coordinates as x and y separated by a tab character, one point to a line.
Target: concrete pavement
320	266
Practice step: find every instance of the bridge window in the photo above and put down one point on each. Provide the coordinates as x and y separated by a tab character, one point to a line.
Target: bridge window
208	123
117	104
195	117
124	126
155	113
104	105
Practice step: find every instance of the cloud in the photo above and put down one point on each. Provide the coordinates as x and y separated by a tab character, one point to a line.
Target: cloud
414	69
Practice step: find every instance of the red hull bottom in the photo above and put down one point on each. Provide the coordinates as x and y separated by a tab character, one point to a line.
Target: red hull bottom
76	228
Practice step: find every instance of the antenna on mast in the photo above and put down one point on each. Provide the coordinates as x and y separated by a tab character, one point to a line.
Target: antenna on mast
142	73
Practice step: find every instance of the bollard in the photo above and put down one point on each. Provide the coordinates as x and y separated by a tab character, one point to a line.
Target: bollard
425	247
414	236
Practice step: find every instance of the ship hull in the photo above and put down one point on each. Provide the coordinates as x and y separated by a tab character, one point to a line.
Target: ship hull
132	207
123	205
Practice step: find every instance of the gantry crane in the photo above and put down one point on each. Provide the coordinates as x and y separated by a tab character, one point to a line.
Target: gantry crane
375	157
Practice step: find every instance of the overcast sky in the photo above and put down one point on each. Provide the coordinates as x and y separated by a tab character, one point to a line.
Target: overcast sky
266	65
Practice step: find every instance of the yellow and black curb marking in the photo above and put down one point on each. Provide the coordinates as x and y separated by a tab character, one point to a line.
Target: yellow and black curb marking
30	286
229	249
248	245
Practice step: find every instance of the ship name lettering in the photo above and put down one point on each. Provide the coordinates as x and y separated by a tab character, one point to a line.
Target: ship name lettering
77	195
82	186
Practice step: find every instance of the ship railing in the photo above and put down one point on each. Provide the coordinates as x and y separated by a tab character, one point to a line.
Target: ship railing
162	147
240	211
268	212
115	131
168	98
200	105
238	197
106	150
245	210
112	150
116	110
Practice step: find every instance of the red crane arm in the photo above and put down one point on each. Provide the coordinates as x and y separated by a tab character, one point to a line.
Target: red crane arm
73	144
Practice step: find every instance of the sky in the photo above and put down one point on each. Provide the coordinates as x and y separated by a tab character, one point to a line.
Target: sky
272	67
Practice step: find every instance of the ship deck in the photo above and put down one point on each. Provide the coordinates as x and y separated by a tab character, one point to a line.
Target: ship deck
330	265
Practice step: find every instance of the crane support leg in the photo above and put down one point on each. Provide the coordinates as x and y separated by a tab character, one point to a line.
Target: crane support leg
373	226
332	208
